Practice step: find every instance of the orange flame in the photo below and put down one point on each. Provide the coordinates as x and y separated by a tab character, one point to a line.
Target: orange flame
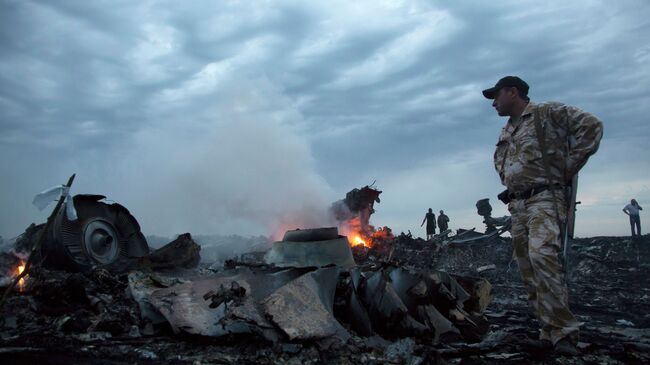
19	270
356	240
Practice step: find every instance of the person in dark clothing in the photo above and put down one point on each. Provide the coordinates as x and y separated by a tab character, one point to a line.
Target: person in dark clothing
632	210
442	221
430	218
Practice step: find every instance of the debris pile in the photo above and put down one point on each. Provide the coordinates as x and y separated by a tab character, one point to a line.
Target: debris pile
353	215
606	291
182	252
300	301
311	247
395	302
102	234
484	209
216	249
405	300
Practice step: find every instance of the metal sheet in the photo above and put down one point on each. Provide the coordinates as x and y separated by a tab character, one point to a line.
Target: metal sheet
314	253
303	308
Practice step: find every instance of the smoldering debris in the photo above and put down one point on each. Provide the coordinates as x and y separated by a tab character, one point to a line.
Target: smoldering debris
216	249
311	247
182	252
353	212
405	300
300	300
103	234
403	303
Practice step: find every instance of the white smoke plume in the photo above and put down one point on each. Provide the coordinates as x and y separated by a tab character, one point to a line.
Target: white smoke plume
229	159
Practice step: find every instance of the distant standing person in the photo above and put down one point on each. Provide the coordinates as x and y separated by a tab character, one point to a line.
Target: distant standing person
632	210
442	221
430	218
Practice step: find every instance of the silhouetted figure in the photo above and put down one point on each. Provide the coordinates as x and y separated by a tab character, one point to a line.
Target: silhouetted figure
442	221
430	218
632	210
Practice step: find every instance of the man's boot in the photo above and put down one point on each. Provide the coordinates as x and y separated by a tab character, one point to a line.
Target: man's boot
534	345
566	347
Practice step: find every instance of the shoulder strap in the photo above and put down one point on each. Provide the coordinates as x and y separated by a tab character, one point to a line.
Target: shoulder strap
541	141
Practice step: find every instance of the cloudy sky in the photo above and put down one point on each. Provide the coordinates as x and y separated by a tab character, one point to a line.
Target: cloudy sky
250	116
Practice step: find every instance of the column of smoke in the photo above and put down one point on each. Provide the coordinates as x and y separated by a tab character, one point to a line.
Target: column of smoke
239	167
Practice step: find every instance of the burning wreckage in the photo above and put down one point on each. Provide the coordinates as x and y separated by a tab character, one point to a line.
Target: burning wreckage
97	293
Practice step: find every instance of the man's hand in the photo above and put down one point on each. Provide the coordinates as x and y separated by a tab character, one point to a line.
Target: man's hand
503	196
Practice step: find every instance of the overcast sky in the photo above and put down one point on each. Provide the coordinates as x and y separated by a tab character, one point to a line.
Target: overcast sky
253	116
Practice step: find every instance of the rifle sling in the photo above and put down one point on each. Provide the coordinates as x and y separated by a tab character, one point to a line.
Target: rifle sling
541	141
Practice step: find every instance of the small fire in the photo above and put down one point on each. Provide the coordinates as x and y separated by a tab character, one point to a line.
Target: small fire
356	240
19	270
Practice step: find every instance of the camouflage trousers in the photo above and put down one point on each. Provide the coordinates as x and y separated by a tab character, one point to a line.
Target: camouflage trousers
537	244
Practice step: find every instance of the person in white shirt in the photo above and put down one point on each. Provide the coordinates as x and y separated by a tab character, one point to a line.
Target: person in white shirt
632	210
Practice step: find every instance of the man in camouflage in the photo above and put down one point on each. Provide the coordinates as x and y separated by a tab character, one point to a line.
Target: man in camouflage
536	200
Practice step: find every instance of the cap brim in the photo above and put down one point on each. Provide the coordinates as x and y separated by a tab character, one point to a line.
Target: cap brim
489	93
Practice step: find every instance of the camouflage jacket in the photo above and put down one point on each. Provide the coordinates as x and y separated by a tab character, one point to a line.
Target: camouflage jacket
571	136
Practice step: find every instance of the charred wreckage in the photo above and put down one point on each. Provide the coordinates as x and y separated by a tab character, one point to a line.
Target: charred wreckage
95	292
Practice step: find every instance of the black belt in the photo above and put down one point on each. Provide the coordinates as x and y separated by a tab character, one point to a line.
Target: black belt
526	194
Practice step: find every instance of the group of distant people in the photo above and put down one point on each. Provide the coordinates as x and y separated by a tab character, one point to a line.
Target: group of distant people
632	210
430	220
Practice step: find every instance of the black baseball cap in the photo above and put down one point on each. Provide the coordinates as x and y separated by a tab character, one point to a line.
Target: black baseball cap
508	81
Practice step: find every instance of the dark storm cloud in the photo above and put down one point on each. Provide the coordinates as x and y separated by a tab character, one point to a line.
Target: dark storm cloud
131	94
